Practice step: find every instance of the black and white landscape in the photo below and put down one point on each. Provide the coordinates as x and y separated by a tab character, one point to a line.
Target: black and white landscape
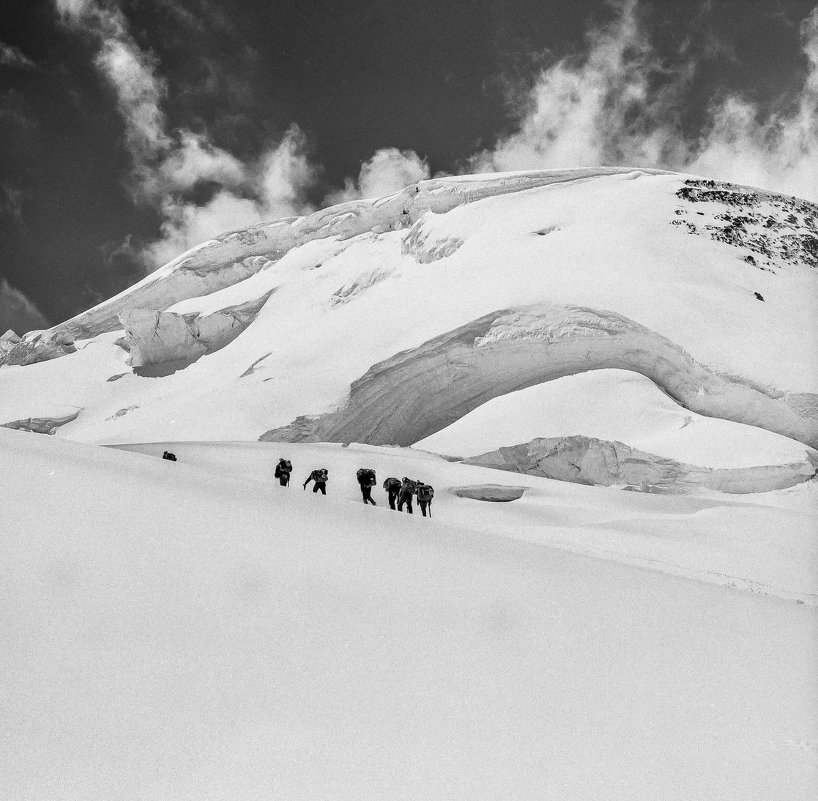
610	377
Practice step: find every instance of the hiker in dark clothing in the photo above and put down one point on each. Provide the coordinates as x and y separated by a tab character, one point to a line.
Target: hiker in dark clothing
407	490
367	480
320	477
282	472
425	494
171	457
392	487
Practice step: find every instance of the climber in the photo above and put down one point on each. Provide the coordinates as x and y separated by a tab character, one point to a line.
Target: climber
407	490
392	487
367	480
320	477
425	494
282	471
171	457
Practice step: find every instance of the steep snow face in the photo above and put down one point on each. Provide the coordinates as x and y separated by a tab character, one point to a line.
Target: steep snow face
550	274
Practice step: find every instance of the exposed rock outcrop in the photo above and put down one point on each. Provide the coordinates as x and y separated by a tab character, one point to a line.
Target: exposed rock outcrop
418	392
585	460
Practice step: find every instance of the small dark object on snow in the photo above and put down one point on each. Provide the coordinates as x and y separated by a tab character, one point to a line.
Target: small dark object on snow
758	295
169	456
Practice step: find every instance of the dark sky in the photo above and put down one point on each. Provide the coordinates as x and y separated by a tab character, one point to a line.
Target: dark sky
444	78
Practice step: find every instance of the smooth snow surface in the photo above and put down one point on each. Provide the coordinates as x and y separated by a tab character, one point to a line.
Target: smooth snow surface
614	405
190	630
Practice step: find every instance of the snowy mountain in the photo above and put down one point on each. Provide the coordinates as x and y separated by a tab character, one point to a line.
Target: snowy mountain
610	378
387	321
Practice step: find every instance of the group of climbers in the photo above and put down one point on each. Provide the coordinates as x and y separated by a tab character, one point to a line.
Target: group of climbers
400	493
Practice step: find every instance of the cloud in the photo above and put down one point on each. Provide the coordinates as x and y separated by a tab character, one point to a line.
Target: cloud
169	166
620	103
277	186
779	151
11	203
11	56
17	312
387	172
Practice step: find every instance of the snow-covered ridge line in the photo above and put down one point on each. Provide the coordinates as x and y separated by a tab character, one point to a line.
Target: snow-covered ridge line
420	391
236	255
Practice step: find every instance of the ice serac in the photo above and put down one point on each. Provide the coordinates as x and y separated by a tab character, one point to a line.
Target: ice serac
494	493
234	256
420	391
43	424
35	346
156	337
586	460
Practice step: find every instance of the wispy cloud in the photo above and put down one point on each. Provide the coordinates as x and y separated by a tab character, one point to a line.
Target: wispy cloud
169	164
778	151
621	103
11	203
388	171
11	56
17	312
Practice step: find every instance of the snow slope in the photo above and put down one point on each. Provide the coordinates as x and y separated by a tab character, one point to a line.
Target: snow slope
330	326
191	631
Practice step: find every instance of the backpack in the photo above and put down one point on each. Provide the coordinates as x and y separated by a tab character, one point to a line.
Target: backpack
408	486
366	477
425	492
285	466
320	475
392	484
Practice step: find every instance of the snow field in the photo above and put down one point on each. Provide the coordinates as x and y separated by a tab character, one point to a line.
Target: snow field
191	632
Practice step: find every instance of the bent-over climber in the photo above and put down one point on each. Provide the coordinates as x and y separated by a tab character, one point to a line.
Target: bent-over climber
282	471
366	480
320	477
392	487
425	494
408	488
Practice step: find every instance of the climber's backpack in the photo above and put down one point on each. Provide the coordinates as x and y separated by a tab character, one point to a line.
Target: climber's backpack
425	492
408	486
392	484
366	477
286	466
